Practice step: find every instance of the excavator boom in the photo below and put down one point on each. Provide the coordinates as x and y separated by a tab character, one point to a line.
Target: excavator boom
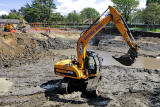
94	29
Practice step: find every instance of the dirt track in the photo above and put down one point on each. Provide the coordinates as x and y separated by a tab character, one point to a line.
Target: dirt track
27	62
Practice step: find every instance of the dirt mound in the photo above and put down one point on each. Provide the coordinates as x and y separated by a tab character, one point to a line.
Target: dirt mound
16	48
57	43
20	48
9	47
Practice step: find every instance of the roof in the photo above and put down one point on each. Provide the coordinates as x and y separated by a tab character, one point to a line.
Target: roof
14	21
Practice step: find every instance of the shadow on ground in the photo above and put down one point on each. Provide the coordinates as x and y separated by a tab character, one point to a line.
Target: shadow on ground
53	93
155	98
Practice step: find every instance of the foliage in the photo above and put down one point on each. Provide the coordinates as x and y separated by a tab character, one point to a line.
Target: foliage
12	15
126	7
145	29
136	17
57	17
152	1
137	13
88	13
151	14
73	17
38	11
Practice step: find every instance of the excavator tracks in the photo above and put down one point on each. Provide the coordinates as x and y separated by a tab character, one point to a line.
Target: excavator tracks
69	85
91	87
64	86
88	87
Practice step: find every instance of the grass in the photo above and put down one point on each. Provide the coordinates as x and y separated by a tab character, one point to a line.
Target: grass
146	29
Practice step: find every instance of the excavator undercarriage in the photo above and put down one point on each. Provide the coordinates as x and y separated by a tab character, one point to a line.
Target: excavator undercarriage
87	87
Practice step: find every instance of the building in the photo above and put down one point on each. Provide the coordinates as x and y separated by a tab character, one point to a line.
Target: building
13	21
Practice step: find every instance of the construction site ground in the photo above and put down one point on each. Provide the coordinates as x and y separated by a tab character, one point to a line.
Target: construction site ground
27	71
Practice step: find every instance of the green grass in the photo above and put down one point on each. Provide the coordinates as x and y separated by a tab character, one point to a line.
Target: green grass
157	30
146	29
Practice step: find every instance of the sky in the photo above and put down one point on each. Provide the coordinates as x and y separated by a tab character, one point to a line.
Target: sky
63	6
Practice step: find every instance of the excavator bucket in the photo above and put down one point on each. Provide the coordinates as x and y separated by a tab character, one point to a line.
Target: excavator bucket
129	58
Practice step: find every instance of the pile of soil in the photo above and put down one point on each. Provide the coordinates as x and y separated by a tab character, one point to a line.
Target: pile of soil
16	49
20	48
56	43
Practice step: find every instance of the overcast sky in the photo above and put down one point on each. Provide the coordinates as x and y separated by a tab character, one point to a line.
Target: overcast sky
63	6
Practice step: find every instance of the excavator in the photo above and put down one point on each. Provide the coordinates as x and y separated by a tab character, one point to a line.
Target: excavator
9	28
22	25
84	73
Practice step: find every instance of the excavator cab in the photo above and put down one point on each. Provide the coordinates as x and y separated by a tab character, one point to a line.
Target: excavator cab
93	63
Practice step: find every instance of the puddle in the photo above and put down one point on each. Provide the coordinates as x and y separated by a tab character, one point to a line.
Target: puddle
141	62
151	63
158	57
5	85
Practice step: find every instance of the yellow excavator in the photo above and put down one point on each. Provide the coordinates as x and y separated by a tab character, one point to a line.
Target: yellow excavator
83	73
22	25
9	27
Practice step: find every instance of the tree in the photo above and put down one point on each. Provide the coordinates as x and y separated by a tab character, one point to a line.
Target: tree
12	15
4	17
152	1
56	17
151	14
38	11
126	7
136	17
88	13
73	17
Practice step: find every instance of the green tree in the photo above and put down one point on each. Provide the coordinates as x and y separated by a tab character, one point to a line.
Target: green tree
136	17
88	13
4	17
126	7
73	17
57	17
152	1
151	14
38	11
12	15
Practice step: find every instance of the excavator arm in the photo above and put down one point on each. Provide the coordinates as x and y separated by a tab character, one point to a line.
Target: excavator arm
114	16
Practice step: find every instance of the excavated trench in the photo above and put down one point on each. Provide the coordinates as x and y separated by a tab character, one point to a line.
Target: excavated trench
31	80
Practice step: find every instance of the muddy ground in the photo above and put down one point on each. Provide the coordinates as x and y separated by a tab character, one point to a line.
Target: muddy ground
27	71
